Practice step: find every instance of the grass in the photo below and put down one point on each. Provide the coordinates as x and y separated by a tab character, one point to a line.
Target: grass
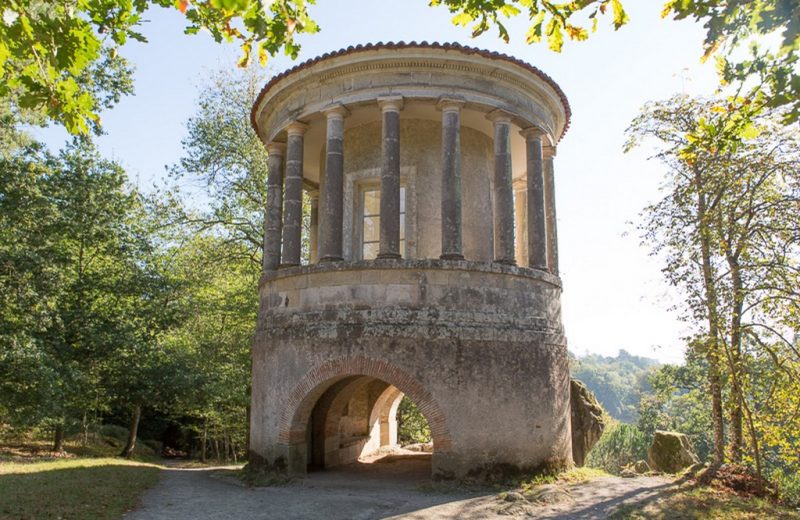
705	503
37	450
73	489
568	477
525	485
81	483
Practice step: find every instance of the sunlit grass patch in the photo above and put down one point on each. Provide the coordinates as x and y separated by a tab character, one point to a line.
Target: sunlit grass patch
705	504
570	476
74	489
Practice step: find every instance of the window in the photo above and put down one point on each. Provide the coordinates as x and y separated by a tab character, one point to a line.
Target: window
371	222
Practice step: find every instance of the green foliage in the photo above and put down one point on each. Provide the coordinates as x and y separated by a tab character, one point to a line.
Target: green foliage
222	152
62	58
732	23
728	232
788	484
548	20
679	402
412	427
70	247
621	444
618	382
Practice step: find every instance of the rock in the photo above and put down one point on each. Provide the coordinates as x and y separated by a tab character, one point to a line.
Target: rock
549	494
423	447
641	466
513	496
587	421
670	452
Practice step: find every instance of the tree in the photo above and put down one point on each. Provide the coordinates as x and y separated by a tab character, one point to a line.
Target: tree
62	59
412	427
679	402
728	24
618	382
213	339
224	154
69	248
728	230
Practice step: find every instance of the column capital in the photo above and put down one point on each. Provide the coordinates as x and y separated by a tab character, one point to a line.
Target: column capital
498	116
548	151
276	148
390	103
337	111
450	104
532	132
296	128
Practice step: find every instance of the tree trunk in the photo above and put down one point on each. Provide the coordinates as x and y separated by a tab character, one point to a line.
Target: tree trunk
204	441
85	425
737	437
247	433
58	438
712	344
127	451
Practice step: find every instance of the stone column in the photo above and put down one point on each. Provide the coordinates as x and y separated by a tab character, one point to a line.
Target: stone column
313	232
521	218
537	232
452	244
503	191
293	195
273	224
333	188
390	177
550	209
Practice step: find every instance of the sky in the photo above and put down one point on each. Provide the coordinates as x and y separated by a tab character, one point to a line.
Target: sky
614	293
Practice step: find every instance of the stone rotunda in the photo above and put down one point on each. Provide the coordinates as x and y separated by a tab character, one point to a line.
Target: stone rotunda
430	267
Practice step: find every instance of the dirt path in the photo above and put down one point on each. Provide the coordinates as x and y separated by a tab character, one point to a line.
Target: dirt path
374	491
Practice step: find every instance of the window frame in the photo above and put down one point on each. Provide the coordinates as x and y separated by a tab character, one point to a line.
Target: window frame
362	189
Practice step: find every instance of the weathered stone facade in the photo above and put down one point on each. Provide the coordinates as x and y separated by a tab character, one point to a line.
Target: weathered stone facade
418	295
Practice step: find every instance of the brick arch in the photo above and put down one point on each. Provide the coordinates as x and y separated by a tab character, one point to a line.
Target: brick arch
297	407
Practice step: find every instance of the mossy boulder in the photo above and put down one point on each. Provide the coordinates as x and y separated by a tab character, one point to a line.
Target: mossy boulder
587	421
670	452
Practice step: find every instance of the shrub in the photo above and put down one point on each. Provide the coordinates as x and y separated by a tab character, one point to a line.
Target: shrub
411	425
621	444
788	484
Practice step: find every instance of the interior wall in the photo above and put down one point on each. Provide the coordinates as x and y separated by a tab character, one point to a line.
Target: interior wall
421	149
354	417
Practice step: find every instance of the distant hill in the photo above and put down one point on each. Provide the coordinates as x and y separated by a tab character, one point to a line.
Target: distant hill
618	382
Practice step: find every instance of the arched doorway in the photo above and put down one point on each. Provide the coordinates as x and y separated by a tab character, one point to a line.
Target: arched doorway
355	418
346	410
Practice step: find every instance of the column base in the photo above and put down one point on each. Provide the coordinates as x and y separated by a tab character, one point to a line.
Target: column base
331	259
505	261
451	256
540	268
284	266
388	256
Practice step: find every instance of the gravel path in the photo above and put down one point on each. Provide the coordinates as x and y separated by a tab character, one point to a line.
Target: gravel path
375	491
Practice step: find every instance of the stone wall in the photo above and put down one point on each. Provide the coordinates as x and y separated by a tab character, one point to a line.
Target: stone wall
478	347
420	153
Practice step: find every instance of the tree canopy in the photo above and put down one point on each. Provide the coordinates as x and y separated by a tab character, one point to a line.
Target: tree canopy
61	60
